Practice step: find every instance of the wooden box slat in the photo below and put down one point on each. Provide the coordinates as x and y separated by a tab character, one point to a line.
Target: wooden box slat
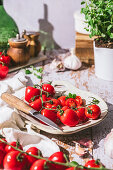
84	48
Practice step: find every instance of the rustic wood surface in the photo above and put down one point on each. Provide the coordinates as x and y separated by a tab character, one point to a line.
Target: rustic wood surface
83	79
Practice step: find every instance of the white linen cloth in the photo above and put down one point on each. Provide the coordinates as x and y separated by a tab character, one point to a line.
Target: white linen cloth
31	139
14	84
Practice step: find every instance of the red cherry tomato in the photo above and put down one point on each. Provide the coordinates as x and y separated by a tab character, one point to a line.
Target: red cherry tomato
31	93
15	161
70	102
37	104
44	98
48	88
78	101
40	165
92	111
5	59
71	168
69	118
2	145
15	144
50	114
62	100
58	157
81	114
33	151
53	103
59	113
92	164
2	155
3	71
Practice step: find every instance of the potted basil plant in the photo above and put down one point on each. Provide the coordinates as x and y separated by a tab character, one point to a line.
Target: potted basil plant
99	17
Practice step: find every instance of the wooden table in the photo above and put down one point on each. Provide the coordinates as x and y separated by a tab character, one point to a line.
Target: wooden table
84	79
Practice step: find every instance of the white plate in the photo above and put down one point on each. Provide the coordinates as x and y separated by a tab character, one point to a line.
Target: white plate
63	86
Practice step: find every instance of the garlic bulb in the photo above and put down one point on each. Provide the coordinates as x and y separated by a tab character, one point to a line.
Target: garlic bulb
108	144
72	61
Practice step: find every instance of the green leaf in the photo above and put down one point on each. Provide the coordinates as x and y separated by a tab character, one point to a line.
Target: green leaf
109	27
39	77
70	95
40	70
83	2
111	35
28	71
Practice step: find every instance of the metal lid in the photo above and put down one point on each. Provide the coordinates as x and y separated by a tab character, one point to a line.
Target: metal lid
29	32
17	39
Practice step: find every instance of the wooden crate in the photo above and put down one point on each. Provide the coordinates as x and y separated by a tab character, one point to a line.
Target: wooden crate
84	48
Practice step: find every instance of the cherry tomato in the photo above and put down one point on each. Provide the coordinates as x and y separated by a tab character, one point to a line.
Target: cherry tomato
40	165
50	114
71	168
33	151
70	102
48	88
31	93
58	157
2	155
92	111
3	71
37	104
59	113
15	144
69	118
81	114
44	98
2	145
5	59
15	161
78	101
92	164
53	103
62	100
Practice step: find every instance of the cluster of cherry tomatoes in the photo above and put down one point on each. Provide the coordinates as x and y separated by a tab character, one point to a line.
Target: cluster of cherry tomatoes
68	110
4	63
13	157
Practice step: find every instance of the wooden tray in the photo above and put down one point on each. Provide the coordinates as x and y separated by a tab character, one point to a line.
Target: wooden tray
32	61
65	88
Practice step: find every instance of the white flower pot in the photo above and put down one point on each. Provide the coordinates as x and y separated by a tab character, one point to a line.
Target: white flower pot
80	23
103	63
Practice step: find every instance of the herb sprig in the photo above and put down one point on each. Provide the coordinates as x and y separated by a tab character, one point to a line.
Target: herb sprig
35	72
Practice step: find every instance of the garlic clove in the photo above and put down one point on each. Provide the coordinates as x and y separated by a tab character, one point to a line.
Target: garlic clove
79	150
57	65
72	62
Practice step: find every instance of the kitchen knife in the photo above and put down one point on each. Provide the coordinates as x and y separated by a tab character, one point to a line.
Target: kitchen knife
17	103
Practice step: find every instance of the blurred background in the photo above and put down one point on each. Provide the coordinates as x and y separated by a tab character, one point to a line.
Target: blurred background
53	16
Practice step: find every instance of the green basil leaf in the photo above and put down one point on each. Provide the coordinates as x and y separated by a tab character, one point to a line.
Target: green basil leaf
28	72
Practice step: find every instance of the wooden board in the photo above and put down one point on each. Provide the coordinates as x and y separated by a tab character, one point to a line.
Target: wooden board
65	88
84	48
32	61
